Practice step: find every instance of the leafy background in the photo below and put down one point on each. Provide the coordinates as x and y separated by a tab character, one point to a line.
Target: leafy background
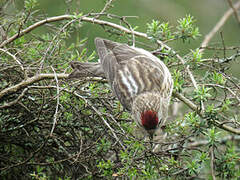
206	12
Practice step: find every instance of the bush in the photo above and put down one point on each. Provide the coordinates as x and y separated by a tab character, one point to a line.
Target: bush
54	128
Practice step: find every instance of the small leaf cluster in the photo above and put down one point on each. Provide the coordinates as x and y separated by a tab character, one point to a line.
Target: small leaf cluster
30	4
196	55
185	30
202	94
106	168
178	81
218	78
157	30
228	163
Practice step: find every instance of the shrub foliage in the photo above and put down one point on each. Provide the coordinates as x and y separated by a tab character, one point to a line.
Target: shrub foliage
54	128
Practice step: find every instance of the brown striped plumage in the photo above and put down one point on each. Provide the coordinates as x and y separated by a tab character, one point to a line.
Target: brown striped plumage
142	83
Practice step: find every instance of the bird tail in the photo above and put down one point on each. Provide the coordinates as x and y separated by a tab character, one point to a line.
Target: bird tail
101	48
104	46
107	58
86	69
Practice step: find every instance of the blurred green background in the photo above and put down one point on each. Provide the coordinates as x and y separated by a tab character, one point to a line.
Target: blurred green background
206	12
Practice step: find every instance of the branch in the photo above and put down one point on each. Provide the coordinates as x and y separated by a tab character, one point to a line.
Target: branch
69	17
202	113
220	23
7	105
205	142
101	117
14	57
39	77
29	81
100	22
57	106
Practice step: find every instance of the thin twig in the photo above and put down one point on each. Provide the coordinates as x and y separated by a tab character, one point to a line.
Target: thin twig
26	160
212	162
14	57
20	126
105	8
3	33
28	82
191	76
56	110
220	48
205	142
101	116
234	11
52	41
7	105
80	148
113	119
227	88
224	47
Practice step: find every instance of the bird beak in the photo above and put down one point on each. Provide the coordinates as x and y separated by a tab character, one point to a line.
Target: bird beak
151	133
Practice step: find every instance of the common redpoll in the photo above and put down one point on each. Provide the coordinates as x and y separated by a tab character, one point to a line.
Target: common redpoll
141	82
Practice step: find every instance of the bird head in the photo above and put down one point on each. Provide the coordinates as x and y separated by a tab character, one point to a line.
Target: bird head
149	112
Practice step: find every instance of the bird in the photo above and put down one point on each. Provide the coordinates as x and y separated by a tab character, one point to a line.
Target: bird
142	83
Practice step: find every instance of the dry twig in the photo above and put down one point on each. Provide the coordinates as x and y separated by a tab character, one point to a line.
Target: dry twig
212	162
100	115
14	57
105	8
58	94
7	105
29	81
234	11
216	28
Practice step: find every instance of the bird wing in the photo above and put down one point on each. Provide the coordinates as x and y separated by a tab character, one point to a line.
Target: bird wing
111	54
141	74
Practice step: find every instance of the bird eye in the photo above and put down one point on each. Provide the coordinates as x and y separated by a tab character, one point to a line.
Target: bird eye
163	127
